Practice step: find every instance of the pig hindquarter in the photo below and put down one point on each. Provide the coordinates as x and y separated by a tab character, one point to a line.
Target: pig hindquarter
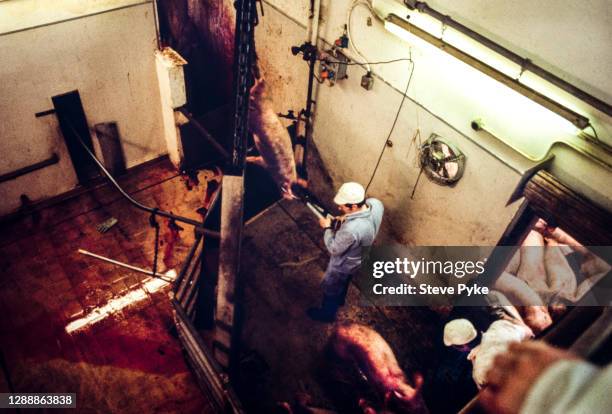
561	277
374	357
514	263
531	269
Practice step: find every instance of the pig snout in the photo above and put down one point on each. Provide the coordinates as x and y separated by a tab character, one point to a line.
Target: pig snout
537	318
405	393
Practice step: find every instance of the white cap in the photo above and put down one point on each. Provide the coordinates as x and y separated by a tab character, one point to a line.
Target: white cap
459	332
350	193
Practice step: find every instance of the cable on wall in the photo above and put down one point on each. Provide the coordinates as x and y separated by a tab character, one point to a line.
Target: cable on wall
348	29
381	62
399	110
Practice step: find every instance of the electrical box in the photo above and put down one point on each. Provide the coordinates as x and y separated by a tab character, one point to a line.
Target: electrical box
171	76
333	66
367	81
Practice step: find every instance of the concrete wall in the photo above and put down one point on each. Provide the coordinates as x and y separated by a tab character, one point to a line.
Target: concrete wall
566	37
351	124
108	57
202	31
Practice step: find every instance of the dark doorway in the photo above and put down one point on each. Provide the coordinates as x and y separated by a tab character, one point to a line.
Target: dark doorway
72	121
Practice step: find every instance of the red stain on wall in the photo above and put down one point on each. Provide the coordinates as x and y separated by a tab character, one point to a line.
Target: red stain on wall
202	31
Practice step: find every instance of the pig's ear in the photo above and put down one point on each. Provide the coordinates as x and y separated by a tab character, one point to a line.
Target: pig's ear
283	408
257	86
418	381
472	355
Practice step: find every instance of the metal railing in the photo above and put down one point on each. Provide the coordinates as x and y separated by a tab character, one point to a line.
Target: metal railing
213	381
53	159
211	378
198	224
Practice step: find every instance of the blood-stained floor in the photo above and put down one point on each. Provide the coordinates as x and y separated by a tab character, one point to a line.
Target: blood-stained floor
120	354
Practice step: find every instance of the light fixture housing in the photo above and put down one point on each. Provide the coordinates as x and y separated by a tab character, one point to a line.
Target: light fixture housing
408	31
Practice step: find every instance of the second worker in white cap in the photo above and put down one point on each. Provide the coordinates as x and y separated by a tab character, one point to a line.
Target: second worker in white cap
360	222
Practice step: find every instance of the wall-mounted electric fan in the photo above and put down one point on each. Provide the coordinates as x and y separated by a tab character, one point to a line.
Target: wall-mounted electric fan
441	161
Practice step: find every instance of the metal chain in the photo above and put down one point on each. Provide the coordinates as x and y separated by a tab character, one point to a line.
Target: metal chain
246	17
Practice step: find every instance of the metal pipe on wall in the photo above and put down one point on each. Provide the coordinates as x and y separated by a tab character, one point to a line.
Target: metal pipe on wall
53	159
312	38
313	22
156	17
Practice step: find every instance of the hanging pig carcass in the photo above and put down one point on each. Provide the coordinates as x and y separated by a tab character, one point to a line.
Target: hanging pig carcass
272	140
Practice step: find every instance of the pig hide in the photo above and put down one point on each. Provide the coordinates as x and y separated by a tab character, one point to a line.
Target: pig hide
592	267
531	269
534	312
271	139
495	341
376	360
514	263
560	236
561	277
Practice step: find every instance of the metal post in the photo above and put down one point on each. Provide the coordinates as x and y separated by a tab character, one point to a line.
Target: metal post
229	266
232	200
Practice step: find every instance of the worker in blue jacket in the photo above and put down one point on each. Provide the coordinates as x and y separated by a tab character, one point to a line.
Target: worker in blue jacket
360	222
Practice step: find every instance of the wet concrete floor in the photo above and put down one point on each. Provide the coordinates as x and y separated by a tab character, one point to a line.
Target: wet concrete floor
283	260
128	361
